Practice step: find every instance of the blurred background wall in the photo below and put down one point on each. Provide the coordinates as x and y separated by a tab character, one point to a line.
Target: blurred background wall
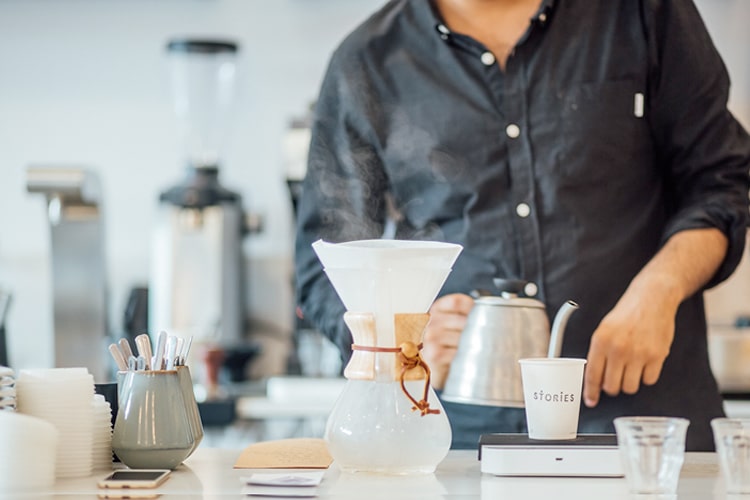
84	82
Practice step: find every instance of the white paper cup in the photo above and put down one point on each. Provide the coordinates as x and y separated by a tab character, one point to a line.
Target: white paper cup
732	439
552	395
652	451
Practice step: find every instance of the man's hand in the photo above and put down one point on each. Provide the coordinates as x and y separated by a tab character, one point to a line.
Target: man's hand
629	346
448	317
633	340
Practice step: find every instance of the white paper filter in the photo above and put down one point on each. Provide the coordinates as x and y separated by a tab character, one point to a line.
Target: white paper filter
385	277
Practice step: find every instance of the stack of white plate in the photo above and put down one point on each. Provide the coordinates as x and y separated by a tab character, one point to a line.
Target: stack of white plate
62	397
7	389
101	448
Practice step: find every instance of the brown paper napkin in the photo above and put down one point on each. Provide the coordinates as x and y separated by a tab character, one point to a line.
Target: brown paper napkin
298	453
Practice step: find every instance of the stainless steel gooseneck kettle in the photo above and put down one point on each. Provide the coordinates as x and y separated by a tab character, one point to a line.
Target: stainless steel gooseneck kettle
501	330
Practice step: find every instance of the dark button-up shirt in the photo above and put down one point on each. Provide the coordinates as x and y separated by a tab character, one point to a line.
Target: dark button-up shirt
606	133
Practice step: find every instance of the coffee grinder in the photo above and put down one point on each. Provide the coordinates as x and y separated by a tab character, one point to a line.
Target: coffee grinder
196	286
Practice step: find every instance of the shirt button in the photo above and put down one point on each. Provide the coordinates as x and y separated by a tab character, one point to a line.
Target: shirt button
523	210
513	130
542	17
530	290
488	58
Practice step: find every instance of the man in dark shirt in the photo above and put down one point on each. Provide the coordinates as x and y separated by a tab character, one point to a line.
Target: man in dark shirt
581	145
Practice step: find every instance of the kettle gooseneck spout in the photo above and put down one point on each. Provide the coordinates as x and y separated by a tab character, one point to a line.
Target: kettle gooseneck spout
558	328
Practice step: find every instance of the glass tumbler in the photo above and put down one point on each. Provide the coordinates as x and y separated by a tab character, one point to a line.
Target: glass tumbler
732	438
652	451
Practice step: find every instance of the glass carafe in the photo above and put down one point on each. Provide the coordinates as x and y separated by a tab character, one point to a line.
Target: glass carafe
387	420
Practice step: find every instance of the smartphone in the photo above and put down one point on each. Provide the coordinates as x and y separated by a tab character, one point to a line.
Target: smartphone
135	478
126	493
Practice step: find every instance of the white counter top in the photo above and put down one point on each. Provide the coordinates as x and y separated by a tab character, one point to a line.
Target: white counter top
310	397
209	473
292	397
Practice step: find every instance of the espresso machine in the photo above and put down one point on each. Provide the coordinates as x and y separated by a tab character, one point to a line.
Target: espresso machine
196	288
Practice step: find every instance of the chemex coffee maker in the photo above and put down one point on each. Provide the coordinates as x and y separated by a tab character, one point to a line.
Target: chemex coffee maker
387	419
196	286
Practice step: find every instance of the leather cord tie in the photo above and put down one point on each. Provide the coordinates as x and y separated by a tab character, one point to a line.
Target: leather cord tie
408	354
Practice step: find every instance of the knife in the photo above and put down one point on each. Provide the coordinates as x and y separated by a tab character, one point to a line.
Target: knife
157	363
143	344
125	346
171	352
122	365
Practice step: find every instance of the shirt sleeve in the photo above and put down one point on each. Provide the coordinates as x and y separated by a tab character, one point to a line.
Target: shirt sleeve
343	194
704	151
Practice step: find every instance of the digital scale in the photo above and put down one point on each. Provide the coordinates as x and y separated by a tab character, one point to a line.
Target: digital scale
588	455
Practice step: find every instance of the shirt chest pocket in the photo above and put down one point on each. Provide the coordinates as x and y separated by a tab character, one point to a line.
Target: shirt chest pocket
605	132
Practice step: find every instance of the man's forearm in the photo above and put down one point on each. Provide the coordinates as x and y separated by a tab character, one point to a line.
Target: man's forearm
684	264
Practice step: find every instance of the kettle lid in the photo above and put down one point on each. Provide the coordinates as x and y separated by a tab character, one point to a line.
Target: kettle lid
509	300
511	291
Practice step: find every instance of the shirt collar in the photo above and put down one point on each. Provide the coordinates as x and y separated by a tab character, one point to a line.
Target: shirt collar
545	11
429	11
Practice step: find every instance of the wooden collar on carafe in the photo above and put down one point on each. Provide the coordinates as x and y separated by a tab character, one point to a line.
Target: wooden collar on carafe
408	334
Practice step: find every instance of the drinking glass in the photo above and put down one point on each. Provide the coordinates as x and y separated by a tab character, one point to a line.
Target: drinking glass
732	438
652	451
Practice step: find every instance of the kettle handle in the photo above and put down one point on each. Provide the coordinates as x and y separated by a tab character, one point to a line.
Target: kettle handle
510	285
